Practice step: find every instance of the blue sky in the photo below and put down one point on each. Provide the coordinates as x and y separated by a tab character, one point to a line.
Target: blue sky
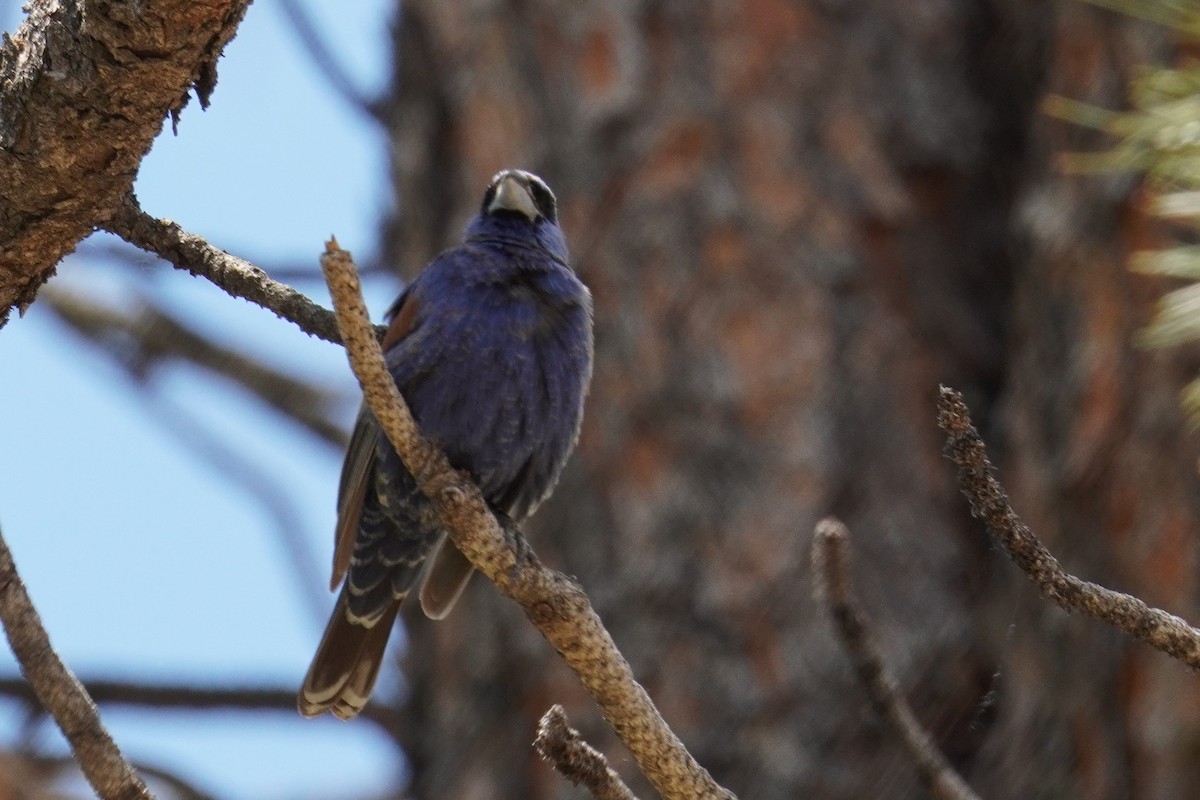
146	562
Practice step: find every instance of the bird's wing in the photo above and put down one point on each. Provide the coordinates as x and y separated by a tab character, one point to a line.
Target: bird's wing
352	490
360	455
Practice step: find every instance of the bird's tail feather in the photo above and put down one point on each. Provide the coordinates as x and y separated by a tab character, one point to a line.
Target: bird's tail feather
344	670
444	579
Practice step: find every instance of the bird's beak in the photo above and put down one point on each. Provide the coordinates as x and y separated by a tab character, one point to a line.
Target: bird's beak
513	195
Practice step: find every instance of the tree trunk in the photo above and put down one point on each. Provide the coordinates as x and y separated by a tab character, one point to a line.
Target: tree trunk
797	218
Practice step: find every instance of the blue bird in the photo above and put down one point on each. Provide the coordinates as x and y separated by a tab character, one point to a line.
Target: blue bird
491	346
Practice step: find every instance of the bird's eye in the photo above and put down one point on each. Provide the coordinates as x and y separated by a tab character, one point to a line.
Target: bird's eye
543	198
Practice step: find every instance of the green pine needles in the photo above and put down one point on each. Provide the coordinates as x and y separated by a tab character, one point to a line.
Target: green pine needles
1159	137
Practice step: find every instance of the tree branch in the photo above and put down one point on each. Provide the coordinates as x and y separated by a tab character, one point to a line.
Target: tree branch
235	276
183	697
554	603
560	744
148	337
834	590
111	251
84	89
60	693
55	768
324	60
989	502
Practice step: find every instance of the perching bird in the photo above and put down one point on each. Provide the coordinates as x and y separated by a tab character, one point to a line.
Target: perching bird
491	347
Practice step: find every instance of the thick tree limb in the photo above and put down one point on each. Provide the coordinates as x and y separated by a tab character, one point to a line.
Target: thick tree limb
554	603
989	502
235	276
575	759
84	89
834	590
60	693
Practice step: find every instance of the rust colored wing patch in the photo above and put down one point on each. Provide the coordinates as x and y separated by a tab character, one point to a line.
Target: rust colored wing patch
404	314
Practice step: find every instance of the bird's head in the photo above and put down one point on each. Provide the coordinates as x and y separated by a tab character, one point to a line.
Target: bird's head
519	204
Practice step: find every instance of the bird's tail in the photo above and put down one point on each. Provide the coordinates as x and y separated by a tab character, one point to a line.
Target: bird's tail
347	662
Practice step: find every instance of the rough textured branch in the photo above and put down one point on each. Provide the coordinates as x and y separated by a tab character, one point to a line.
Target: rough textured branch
52	769
58	691
560	744
554	603
235	276
84	89
989	502
831	565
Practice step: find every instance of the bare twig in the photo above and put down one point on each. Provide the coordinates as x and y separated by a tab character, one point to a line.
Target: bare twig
576	760
60	693
112	251
258	483
324	60
188	697
989	502
141	340
555	604
148	337
235	276
831	565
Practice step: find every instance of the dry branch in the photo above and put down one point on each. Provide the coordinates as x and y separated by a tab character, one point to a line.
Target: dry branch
555	604
58	768
312	38
187	697
834	590
989	502
576	760
84	89
60	693
147	337
230	273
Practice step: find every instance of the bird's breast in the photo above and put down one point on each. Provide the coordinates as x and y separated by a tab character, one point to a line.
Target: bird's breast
508	384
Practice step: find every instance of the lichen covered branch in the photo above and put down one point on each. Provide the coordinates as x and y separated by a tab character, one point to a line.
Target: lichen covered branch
576	760
989	502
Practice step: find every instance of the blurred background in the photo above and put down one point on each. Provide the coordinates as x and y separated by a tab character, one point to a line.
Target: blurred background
797	219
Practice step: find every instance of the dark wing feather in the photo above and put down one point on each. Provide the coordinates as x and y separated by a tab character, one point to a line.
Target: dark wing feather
360	455
352	490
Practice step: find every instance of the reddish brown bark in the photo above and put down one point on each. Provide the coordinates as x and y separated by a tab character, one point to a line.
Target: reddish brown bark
797	219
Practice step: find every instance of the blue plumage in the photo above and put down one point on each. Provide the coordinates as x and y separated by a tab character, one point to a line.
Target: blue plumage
491	347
